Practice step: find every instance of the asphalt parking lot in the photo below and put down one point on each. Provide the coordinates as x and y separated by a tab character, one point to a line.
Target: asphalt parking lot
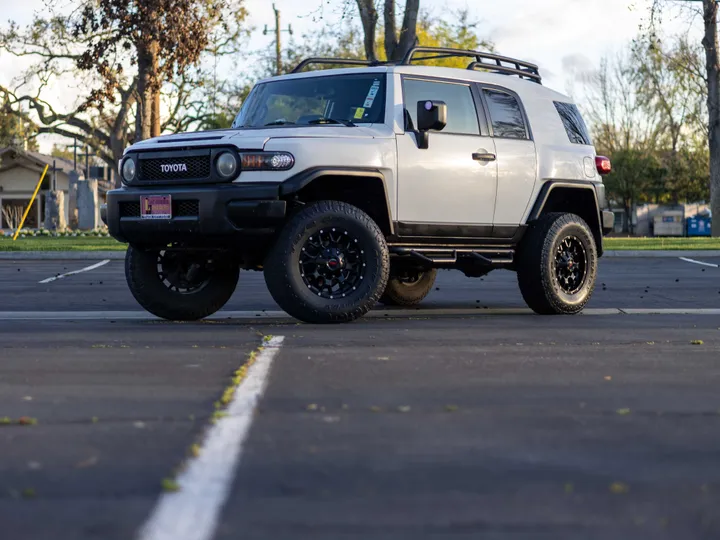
468	418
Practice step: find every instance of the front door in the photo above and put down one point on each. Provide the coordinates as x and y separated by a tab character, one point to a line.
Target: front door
448	189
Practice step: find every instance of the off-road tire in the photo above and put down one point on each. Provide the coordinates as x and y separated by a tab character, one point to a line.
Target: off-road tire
141	272
536	264
401	293
285	280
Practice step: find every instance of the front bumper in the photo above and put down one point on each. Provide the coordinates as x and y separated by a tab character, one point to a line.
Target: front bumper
608	221
202	215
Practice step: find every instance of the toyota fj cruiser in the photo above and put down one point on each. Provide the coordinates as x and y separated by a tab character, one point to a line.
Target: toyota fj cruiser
351	186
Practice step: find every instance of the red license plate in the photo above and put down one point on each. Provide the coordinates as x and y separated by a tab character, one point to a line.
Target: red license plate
156	207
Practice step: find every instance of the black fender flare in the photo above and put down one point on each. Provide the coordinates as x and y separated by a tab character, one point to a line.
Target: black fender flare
304	178
544	196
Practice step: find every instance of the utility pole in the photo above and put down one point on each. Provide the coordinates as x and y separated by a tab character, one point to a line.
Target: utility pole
278	40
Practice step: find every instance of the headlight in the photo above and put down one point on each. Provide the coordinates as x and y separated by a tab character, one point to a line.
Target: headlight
267	161
226	165
128	170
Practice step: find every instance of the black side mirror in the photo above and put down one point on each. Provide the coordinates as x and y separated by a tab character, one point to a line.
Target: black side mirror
431	116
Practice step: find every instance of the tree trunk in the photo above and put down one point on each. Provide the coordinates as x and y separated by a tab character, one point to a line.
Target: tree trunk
397	46
368	16
146	89
628	226
391	41
155	119
710	44
408	32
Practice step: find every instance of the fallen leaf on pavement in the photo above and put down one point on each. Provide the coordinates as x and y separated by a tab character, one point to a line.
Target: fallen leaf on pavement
618	488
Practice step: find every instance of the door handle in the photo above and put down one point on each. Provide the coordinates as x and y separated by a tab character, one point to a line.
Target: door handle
485	156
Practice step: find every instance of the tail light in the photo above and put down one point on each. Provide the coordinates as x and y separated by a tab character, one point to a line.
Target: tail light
603	165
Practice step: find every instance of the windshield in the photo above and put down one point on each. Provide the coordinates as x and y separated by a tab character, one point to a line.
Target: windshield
338	99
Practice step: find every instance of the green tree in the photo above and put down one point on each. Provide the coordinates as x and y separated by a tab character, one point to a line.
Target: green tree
62	152
15	131
58	47
455	30
710	77
667	90
163	38
634	172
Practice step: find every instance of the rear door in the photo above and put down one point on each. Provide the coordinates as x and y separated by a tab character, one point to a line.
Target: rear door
445	190
516	158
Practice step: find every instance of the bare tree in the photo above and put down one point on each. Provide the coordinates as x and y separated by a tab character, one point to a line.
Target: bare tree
12	214
397	41
712	74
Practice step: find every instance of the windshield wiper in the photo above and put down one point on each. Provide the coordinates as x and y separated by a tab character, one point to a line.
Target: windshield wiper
324	120
279	123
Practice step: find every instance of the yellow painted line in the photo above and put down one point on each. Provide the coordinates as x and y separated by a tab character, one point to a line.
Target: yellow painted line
27	210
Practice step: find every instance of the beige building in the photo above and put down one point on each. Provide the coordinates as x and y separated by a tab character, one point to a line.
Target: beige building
20	172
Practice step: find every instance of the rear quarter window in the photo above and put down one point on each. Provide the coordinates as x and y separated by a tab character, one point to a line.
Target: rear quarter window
574	124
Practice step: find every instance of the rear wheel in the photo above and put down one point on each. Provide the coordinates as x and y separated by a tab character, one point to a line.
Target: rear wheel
180	285
557	264
330	264
408	287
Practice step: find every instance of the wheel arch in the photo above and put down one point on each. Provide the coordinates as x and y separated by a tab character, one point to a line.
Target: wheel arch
363	188
578	198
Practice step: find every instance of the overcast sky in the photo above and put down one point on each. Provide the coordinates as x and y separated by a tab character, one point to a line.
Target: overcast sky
561	36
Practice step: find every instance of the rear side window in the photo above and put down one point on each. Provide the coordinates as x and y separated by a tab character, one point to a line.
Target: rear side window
507	117
462	115
574	125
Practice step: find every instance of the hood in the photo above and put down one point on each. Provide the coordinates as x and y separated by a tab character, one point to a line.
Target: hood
252	139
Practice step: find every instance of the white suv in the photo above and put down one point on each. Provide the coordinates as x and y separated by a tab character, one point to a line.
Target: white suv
351	186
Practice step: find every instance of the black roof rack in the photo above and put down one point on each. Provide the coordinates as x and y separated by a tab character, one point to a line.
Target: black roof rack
335	61
482	61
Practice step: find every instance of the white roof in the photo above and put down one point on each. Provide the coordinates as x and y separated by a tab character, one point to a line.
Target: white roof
523	87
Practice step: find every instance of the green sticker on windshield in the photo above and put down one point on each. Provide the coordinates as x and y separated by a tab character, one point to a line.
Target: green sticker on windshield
359	112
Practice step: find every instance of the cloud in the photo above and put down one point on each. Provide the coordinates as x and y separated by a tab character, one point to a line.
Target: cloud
577	66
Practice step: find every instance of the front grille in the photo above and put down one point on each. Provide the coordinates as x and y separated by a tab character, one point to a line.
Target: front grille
190	208
129	209
186	208
151	170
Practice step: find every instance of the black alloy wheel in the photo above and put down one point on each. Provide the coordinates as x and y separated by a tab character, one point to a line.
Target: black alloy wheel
332	264
180	285
571	264
181	272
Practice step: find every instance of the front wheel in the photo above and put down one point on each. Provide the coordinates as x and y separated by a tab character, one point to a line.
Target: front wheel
330	264
180	285
557	264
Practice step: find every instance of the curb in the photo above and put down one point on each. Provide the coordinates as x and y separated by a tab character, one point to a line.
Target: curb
120	255
61	255
657	253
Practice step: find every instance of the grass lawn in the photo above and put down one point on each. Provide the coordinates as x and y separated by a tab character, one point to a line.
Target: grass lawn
94	243
45	243
693	243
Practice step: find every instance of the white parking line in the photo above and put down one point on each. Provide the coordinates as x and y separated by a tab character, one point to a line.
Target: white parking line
699	262
86	269
376	314
193	512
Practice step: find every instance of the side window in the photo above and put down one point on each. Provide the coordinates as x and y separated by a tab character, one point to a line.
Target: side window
462	115
507	118
574	125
